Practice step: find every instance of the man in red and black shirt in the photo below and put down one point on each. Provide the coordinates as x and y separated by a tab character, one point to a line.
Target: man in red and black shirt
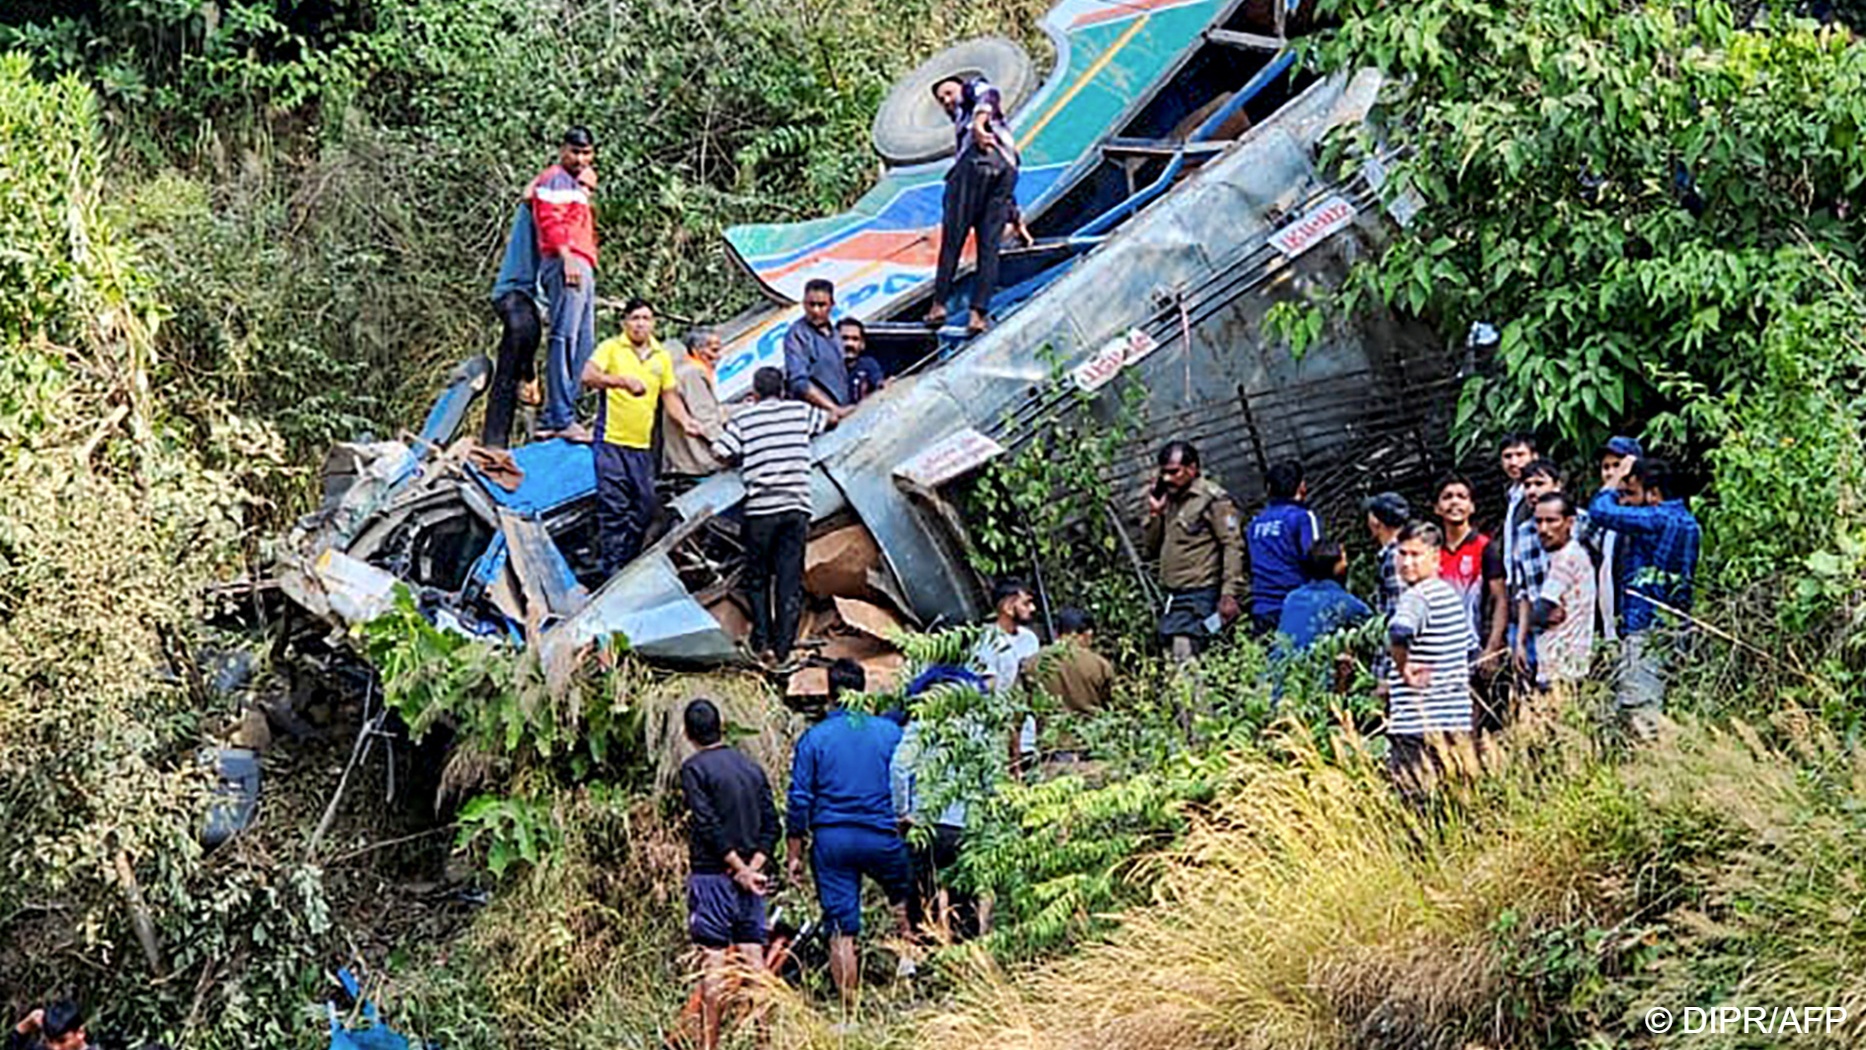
566	224
1461	561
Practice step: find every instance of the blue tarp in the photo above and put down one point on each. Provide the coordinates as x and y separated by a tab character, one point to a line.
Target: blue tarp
374	1035
557	472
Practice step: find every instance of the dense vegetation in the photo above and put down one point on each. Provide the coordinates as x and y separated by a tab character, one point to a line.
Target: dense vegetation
238	230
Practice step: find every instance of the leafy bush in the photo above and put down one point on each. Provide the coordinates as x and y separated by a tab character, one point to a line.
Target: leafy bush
113	513
1047	513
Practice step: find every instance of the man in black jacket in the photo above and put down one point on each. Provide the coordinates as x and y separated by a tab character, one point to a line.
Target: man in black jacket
734	827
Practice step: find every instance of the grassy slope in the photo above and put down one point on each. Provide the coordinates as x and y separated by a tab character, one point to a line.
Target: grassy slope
1551	907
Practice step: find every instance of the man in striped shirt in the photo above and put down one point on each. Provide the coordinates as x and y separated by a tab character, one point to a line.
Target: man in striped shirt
770	440
1431	641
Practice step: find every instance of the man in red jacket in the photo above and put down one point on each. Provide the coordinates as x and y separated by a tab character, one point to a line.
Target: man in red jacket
566	224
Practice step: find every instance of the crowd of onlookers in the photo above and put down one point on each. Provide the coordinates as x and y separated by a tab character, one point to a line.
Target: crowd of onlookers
1481	628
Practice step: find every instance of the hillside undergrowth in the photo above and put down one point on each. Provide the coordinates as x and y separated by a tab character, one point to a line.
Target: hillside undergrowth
1552	905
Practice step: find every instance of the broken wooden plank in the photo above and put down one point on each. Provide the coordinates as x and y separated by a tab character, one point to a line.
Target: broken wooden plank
868	619
836	564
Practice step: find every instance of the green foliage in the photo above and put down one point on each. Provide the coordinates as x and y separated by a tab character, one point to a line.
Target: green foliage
113	513
510	829
589	944
186	62
1047	514
1659	207
495	698
1060	857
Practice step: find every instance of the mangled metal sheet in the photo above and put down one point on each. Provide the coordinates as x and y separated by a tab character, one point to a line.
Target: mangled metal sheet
449	410
335	584
647	604
556	474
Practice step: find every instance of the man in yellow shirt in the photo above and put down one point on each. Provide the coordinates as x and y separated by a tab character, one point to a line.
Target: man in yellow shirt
636	376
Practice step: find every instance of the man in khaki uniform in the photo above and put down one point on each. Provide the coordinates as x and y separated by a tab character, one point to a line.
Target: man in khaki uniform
1070	670
1192	527
686	457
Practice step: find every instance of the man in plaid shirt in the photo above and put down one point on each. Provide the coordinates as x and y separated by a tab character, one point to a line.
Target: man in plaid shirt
1528	567
1387	513
1661	540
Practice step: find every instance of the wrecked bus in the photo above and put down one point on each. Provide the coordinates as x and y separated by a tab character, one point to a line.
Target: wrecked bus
1173	182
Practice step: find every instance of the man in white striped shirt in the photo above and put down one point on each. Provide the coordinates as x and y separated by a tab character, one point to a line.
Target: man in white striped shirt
1430	635
770	440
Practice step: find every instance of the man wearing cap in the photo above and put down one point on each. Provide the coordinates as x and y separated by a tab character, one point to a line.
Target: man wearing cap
1610	588
1192	528
566	224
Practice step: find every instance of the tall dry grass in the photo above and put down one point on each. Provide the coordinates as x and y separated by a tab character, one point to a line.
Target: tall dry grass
1564	895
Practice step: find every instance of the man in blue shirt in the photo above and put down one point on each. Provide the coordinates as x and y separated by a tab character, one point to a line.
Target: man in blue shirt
841	799
1610	584
813	368
1659	541
1318	608
1321	605
1277	540
518	299
865	373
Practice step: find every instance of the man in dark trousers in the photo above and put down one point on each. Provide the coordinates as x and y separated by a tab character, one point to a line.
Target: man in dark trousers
1192	528
980	192
733	829
1278	539
636	377
519	300
770	440
566	224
